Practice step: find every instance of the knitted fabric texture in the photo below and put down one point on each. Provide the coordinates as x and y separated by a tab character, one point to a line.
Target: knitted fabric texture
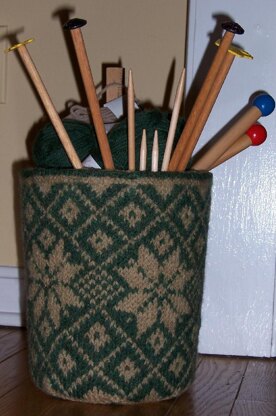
48	151
115	269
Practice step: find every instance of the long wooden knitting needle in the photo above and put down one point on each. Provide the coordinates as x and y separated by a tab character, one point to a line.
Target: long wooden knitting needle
47	102
143	152
209	103
155	153
131	122
173	123
254	136
74	26
231	29
262	105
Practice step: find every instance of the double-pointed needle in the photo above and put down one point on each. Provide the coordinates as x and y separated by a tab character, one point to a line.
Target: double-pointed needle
143	152
131	122
155	153
173	123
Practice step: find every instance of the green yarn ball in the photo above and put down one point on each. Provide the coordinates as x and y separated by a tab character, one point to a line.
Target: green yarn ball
48	151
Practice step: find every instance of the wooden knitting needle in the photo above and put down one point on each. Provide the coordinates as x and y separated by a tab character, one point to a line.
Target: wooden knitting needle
209	103
231	29
131	122
155	153
74	26
47	102
262	105
173	123
143	152
254	136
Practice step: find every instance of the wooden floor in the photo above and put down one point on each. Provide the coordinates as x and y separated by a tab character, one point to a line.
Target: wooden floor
223	386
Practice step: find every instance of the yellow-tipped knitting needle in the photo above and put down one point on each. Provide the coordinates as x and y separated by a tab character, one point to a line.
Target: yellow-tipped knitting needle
47	102
209	103
231	29
143	152
173	123
131	122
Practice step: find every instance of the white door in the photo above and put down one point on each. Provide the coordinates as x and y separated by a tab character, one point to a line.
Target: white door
237	315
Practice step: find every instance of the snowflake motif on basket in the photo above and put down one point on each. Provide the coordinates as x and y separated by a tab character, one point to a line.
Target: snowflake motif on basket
156	290
49	287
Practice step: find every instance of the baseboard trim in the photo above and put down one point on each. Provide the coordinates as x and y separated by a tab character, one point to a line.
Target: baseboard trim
12	296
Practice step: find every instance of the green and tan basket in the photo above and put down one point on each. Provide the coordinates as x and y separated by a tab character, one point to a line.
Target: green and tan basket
115	269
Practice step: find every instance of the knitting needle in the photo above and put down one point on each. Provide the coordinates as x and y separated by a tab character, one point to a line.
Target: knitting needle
209	103
155	153
254	136
47	102
262	105
173	123
143	152
74	26
131	122
231	29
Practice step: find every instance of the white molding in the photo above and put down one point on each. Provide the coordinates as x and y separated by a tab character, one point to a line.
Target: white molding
273	343
12	296
238	312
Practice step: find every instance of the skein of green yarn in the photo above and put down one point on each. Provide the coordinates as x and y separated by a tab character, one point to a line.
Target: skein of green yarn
49	153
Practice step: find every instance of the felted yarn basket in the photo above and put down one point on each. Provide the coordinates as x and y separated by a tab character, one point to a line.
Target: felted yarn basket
115	269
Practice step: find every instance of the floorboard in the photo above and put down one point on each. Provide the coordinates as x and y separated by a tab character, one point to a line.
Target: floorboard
26	400
5	330
254	408
12	343
13	372
259	381
214	390
223	386
257	395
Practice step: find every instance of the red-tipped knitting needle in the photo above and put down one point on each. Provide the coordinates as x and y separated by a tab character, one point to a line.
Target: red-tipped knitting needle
263	105
254	136
231	29
74	26
47	102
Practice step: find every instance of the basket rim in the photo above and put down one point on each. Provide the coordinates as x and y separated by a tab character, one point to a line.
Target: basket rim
46	172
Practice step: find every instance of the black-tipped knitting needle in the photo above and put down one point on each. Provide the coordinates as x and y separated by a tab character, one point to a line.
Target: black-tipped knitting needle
231	29
74	25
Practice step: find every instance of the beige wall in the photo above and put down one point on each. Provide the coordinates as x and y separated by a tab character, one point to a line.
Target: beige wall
146	35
